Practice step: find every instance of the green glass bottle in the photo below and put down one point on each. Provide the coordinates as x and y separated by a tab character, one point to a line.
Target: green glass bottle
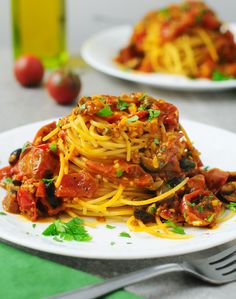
39	28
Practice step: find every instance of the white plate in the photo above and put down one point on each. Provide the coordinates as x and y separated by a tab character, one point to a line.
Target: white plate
218	148
99	51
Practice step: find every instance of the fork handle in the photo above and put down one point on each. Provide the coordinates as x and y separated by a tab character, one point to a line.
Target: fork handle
116	283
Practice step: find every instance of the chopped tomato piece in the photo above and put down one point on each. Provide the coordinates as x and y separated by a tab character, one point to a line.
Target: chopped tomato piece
27	203
197	182
5	172
200	208
129	172
215	179
77	185
36	163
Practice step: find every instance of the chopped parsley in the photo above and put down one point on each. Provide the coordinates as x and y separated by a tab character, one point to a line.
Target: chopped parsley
153	114
232	206
49	181
125	235
218	76
2	213
175	228
112	243
106	111
156	141
153	210
200	209
101	99
185	215
119	173
141	108
34	225
72	230
142	97
53	147
7	180
211	217
83	107
191	204
206	168
133	118
121	105
57	239
110	226
24	147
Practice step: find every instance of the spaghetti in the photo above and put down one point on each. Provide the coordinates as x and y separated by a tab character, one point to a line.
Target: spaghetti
185	39
123	157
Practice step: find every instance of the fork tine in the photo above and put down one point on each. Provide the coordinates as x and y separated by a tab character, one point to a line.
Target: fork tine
224	264
222	256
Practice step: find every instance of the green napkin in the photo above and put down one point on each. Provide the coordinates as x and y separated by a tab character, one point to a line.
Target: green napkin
25	276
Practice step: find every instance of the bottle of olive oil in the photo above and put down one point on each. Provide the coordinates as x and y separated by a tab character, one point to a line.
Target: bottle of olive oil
39	29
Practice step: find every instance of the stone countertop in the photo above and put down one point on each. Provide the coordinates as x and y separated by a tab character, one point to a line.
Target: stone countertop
19	106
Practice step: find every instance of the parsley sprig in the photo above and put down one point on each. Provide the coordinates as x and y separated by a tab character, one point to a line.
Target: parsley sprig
106	111
73	230
121	105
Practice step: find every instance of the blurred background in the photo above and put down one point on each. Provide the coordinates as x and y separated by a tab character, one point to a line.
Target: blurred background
86	17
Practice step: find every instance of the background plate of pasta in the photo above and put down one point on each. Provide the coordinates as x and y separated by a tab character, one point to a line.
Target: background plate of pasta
183	46
118	178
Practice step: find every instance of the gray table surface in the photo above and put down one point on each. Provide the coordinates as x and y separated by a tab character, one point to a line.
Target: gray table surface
19	106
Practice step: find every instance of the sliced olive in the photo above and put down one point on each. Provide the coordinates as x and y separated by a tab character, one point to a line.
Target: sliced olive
147	163
175	181
52	198
187	164
14	156
16	183
144	216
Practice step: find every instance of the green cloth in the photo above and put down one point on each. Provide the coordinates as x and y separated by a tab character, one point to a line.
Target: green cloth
25	276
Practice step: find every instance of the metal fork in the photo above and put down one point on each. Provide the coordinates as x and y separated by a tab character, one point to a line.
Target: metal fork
217	269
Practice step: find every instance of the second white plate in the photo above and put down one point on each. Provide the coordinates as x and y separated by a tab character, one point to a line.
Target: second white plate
99	51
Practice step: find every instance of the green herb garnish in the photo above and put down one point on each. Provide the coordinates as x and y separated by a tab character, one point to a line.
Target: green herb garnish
153	210
142	97
2	213
206	168
200	209
119	173
156	141
210	218
106	111
218	76
133	118
53	147
164	11
110	226
101	99
70	231
112	243
125	235
7	180
83	107
49	181
34	225
232	206
153	114
141	108
24	147
191	204
175	228
121	105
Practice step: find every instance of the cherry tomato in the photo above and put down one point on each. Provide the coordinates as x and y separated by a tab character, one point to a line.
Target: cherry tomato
63	86
29	70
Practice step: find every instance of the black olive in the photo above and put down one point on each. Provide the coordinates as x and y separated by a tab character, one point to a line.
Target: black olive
14	156
50	192
144	216
175	181
187	164
16	183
